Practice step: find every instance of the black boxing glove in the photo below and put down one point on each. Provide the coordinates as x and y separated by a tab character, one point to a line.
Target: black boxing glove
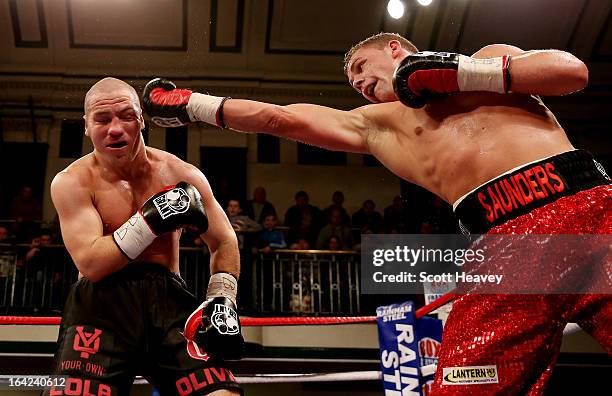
170	209
213	329
420	75
169	106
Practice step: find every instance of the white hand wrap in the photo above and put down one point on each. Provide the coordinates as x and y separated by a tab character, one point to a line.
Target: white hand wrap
202	107
134	236
222	284
482	74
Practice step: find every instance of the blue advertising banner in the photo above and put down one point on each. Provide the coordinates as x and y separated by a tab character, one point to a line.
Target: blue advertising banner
406	344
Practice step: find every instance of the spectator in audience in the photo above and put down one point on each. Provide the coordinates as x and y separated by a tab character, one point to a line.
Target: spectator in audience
246	230
426	228
271	238
357	247
333	243
303	219
368	218
25	206
239	221
36	260
7	265
25	209
337	201
43	240
258	207
301	244
395	217
335	228
5	236
55	230
223	191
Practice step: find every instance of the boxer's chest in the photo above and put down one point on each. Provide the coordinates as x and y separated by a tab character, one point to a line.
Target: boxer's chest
117	202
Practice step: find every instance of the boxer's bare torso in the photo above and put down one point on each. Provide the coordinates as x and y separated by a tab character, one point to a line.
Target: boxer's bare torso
458	142
453	144
116	199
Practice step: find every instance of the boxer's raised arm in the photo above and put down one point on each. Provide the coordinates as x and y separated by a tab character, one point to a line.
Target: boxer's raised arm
214	329
540	72
94	255
322	126
495	68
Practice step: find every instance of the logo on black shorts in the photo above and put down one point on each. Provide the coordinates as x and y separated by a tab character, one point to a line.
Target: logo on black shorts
225	320
88	343
172	202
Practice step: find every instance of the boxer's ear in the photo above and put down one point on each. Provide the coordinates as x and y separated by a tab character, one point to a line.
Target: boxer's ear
85	123
396	48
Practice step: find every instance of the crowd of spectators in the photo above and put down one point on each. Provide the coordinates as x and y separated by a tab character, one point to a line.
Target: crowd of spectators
23	221
305	226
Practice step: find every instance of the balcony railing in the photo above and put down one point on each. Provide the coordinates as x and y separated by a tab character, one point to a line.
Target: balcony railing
308	281
282	282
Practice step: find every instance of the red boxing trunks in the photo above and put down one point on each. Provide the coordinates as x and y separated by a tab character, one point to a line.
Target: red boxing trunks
508	344
129	324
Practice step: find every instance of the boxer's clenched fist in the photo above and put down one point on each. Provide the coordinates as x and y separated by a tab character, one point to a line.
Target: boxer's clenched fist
213	329
425	73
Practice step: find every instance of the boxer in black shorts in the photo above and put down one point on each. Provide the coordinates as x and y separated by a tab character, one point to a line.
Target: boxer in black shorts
121	210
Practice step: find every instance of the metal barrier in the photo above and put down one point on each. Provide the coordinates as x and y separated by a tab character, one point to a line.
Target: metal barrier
285	281
34	281
309	281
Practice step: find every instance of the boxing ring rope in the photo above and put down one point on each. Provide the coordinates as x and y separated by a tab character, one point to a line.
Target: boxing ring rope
291	321
247	322
244	322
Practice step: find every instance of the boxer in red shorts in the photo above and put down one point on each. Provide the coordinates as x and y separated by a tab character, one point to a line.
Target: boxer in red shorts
451	124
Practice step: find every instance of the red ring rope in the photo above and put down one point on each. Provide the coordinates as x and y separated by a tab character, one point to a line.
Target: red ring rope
278	321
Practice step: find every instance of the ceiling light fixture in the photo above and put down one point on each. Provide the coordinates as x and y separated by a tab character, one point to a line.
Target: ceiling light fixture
395	8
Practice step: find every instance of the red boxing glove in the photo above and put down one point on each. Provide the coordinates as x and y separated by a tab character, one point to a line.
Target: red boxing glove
425	73
169	106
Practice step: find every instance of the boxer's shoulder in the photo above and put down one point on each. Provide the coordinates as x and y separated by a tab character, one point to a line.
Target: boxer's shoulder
74	182
159	157
81	172
173	168
171	164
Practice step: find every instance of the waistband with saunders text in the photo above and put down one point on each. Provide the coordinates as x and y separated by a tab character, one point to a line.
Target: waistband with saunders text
531	186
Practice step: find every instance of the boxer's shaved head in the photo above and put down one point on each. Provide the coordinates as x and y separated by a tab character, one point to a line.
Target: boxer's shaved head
110	85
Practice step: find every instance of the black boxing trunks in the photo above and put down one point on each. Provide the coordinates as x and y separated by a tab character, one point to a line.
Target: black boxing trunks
129	324
528	187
